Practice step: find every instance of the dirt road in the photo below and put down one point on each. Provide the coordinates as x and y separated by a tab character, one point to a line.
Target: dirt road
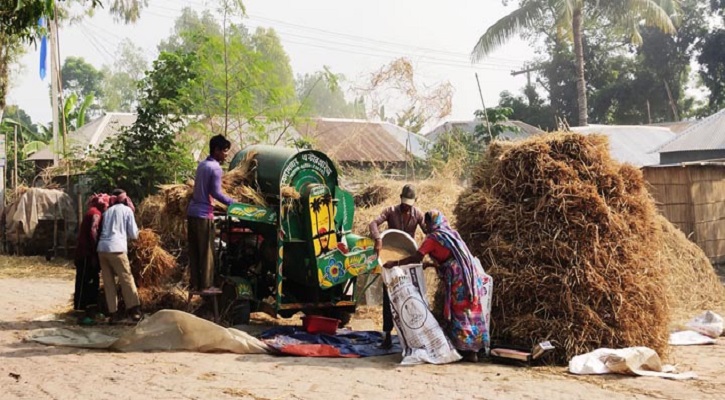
33	371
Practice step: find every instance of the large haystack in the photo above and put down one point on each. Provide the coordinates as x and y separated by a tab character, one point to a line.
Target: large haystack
571	240
693	286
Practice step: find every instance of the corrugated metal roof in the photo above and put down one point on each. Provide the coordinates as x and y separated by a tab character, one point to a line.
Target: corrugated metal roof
707	134
413	143
342	139
97	131
631	144
43	154
354	140
525	130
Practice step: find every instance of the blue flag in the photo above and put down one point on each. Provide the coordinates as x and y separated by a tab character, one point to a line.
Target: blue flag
43	50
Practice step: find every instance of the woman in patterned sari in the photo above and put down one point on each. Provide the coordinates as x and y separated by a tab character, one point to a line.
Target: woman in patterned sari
467	286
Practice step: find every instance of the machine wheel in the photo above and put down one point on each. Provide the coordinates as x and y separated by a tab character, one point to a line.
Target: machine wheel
343	316
240	312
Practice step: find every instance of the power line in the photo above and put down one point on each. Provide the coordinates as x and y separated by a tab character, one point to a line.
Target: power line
376	52
442	63
462	62
96	44
377	42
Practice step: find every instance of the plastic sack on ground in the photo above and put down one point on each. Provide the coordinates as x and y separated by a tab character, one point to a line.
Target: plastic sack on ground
708	324
177	330
689	338
641	361
167	330
421	337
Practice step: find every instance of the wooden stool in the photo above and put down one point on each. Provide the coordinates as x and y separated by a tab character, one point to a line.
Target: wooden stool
213	293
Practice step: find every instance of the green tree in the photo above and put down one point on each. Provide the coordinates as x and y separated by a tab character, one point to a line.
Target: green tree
244	81
456	151
20	25
279	75
459	151
491	124
190	29
120	80
81	80
80	77
569	17
320	95
151	152
712	69
531	109
15	119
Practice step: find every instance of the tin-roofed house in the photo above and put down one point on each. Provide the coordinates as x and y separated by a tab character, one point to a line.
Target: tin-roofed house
364	144
631	144
704	140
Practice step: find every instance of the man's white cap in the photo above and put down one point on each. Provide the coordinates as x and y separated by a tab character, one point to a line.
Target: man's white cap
407	196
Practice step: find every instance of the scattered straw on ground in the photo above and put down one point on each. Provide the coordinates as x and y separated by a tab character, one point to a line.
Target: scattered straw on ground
571	240
36	267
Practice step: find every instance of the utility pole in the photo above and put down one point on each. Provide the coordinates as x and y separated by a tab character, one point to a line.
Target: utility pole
485	112
527	70
15	160
53	27
675	114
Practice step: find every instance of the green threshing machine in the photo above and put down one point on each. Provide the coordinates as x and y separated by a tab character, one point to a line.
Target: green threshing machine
297	254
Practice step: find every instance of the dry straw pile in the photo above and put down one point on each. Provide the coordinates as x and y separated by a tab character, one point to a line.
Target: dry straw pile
156	274
572	241
692	284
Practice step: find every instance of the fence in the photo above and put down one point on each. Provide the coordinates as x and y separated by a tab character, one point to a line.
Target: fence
692	197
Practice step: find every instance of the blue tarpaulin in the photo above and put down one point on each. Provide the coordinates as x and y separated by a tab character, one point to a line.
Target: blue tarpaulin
296	341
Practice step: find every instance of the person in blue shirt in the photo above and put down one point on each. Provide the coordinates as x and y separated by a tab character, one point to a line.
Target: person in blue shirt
119	226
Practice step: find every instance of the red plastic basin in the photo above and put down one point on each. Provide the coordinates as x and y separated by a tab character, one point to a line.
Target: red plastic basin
318	324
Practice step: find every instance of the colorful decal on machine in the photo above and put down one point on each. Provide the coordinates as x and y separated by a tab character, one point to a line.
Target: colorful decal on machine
322	215
306	161
337	267
249	212
280	263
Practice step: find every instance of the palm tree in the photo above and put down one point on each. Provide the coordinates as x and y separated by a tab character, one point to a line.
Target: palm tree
628	15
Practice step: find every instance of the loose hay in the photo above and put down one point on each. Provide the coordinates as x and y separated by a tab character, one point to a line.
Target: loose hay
152	267
240	182
373	195
571	240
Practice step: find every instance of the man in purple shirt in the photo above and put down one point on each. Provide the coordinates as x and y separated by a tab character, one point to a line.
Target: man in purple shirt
200	215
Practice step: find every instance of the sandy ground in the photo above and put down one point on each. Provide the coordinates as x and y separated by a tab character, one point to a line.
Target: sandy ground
34	371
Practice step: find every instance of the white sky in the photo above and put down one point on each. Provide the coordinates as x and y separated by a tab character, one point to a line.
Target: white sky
351	37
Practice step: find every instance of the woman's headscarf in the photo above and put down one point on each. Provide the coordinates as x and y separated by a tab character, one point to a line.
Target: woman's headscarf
450	239
101	201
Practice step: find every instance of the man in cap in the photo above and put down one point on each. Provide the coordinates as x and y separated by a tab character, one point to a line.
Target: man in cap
407	218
